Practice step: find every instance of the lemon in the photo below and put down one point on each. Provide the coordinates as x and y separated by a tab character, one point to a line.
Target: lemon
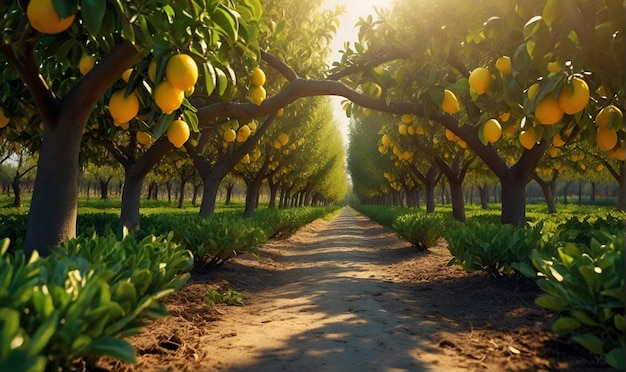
573	98
492	130
532	91
258	77
606	138
406	118
43	16
143	138
152	67
402	129
283	138
385	140
178	133
126	74
123	109
603	118
548	111
450	136
450	103
181	71
86	64
528	138
480	80
557	140
245	159
280	112
229	135
167	97
258	95
503	64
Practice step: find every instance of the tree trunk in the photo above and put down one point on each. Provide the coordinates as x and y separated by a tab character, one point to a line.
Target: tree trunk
593	193
131	201
549	192
430	198
52	216
17	191
196	192
513	198
104	189
209	195
457	200
252	194
229	192
580	192
181	197
273	193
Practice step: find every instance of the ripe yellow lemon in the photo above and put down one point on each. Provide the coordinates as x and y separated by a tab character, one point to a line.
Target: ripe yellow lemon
229	135
547	111
450	136
383	149
178	133
143	138
480	80
385	140
528	138
503	64
258	95
606	138
252	125
123	109
152	67
509	132
283	138
406	118
167	97
256	154
553	151
557	141
450	103
574	98
43	16
554	66
258	77
492	130
603	118
277	144
126	74
4	121
181	71
245	159
402	129
245	131
86	64
411	130
280	112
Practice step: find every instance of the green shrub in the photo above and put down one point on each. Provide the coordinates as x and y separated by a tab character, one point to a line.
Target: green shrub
585	284
84	299
421	229
495	248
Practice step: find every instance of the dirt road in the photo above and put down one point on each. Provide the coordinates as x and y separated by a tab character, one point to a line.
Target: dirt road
347	295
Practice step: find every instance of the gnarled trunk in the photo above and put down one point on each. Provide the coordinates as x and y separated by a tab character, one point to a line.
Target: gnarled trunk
458	202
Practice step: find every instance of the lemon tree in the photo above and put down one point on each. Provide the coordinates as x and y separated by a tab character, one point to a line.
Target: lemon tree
499	59
118	35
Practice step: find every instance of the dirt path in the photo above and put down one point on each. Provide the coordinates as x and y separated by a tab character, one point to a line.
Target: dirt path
347	295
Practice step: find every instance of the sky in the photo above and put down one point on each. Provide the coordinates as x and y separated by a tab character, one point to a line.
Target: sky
355	9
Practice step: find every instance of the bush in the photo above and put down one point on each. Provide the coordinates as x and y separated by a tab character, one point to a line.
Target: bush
421	229
493	247
585	284
84	299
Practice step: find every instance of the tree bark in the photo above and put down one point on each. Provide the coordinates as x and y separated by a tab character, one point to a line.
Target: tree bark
549	190
52	216
513	201
17	190
457	200
181	197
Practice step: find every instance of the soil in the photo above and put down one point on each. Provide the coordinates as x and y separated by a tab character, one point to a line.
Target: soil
348	295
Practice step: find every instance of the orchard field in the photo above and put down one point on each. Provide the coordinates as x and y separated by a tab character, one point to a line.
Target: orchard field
152	147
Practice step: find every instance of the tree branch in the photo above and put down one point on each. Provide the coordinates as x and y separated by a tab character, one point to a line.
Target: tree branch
279	66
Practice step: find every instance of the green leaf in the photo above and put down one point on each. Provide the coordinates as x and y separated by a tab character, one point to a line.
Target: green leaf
162	124
565	325
192	119
92	13
589	342
210	78
112	347
551	11
616	359
43	334
226	22
65	8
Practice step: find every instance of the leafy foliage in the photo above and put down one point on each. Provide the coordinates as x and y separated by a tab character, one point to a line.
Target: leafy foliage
422	229
584	282
493	247
84	299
